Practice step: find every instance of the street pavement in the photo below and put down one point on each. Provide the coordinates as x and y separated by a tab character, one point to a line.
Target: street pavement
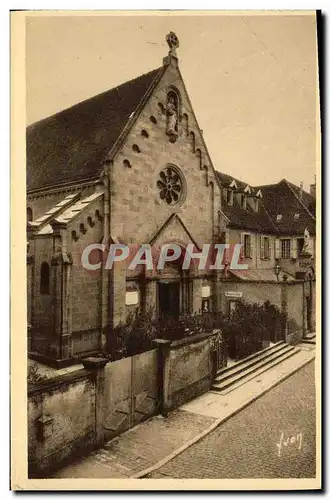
274	437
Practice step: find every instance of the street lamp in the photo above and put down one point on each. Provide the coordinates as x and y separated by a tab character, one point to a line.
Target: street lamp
277	270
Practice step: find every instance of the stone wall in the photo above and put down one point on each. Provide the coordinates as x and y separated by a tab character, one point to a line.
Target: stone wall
77	412
188	369
61	420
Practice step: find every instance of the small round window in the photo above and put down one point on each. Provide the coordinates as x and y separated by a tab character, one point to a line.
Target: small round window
171	185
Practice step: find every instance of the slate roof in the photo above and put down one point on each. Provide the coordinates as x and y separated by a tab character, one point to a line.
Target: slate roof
226	180
284	199
245	218
71	145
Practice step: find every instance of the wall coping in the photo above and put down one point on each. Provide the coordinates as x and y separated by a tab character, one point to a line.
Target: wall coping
269	282
58	381
192	339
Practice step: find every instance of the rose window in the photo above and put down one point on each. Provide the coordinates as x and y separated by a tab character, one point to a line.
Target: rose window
170	185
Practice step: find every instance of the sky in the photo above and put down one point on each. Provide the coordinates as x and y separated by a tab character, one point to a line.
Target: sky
251	78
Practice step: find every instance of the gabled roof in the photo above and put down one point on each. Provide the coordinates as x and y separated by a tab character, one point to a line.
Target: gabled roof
71	145
245	218
284	199
68	212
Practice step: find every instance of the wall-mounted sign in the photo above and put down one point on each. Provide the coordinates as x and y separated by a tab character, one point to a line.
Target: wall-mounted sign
131	298
234	295
205	291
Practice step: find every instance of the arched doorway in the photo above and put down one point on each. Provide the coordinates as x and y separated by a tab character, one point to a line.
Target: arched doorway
175	288
169	291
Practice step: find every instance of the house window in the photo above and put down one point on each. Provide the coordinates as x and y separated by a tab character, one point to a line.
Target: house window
265	248
242	201
247	246
296	216
279	217
44	278
29	215
286	249
229	197
300	243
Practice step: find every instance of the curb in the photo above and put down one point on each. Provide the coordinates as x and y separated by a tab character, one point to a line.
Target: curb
214	425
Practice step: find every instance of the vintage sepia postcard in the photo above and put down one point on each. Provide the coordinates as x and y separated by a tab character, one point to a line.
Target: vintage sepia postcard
166	246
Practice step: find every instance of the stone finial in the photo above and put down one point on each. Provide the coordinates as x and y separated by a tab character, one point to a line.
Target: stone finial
173	43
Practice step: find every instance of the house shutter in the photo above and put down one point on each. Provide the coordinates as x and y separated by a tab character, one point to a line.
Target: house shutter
262	256
269	248
277	248
251	239
294	248
242	245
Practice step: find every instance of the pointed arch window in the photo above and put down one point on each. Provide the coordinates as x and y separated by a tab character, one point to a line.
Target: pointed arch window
45	279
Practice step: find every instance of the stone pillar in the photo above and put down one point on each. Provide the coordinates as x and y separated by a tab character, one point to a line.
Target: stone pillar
105	274
163	375
118	289
284	307
149	298
56	279
66	292
197	299
61	266
105	305
97	367
216	291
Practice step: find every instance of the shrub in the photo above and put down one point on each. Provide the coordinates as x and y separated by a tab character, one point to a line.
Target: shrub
33	374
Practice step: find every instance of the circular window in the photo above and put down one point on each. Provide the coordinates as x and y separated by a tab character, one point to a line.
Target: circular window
171	185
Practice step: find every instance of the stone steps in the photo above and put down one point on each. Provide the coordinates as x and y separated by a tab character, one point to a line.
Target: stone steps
309	338
232	377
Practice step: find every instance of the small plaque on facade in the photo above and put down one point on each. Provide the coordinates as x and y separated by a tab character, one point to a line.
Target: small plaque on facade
205	291
131	298
233	295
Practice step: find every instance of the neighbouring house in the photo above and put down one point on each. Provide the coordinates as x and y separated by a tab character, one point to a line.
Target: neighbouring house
131	166
275	225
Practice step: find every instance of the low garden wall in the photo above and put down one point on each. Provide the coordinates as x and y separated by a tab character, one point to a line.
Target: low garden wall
73	414
189	369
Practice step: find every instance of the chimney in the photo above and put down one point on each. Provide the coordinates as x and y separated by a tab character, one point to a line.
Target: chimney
301	189
312	188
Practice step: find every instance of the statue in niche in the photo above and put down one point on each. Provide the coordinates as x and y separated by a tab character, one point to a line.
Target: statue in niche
172	117
307	245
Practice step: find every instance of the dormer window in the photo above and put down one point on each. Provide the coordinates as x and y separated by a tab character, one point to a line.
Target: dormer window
229	197
242	201
256	204
279	217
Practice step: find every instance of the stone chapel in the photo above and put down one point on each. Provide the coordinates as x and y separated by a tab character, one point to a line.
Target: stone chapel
129	165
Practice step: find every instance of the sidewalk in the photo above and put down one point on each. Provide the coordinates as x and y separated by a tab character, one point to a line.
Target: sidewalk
155	442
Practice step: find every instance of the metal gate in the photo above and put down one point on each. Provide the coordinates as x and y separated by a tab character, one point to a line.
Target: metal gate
130	392
219	348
